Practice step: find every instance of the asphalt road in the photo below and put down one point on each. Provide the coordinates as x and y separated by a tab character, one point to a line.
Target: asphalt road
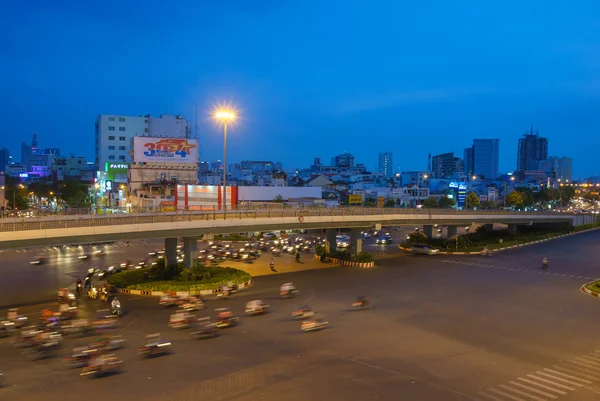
23	283
441	328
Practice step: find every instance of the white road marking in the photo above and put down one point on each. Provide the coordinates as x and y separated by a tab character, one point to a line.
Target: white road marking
558	378
542	386
551	382
535	390
569	376
506	395
491	397
533	397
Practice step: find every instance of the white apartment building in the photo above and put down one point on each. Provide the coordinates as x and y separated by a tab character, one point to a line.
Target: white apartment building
114	133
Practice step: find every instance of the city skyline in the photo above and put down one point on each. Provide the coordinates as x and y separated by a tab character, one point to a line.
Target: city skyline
317	91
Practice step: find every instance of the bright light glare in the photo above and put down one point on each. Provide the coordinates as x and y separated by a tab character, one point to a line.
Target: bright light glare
225	115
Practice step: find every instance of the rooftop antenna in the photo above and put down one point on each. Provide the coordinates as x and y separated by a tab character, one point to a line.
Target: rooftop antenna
199	153
429	163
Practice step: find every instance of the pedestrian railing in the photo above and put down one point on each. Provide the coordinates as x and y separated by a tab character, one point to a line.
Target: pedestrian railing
57	222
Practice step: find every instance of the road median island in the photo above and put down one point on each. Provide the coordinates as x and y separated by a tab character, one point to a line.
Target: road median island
592	288
497	241
202	280
344	258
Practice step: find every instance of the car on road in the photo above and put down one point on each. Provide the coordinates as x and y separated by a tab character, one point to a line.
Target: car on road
384	240
271	235
422	249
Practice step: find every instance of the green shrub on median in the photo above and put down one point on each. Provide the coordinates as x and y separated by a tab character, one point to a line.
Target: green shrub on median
498	239
195	279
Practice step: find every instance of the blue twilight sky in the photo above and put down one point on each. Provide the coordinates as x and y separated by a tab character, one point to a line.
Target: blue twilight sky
311	78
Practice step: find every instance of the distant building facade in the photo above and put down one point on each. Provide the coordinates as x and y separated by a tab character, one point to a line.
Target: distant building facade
561	168
114	134
531	150
385	164
468	161
4	158
446	165
486	159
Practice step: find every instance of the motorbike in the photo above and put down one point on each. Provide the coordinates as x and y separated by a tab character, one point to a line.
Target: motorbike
204	330
181	320
314	325
17	320
256	308
288	293
302	313
361	305
7	328
169	300
154	346
1	378
485	252
225	319
102	365
79	289
111	343
79	358
45	349
116	310
192	304
80	327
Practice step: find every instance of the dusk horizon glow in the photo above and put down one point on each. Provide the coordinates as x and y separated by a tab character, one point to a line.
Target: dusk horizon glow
309	81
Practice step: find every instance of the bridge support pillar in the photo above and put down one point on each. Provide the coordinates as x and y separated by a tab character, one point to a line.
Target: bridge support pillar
190	251
170	251
330	243
355	241
451	231
513	229
428	230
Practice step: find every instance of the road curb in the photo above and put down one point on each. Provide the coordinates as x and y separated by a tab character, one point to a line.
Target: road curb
510	247
587	291
242	286
364	265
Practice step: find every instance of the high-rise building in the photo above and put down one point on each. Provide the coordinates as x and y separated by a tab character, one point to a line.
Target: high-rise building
468	161
531	150
114	133
486	158
4	158
345	160
385	164
34	157
446	165
561	168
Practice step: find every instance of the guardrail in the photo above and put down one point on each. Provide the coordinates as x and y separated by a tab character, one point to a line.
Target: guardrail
53	222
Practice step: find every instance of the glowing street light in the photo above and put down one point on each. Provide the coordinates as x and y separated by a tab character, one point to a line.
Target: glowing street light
225	116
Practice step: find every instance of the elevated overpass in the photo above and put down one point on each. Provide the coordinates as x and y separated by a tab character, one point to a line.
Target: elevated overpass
57	230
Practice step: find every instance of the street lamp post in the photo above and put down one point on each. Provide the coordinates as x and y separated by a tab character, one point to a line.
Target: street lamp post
15	195
225	116
425	176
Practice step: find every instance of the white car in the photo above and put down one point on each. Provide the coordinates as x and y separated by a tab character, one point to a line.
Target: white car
270	235
423	249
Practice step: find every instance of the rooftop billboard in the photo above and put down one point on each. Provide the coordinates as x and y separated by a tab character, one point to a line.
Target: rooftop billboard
164	150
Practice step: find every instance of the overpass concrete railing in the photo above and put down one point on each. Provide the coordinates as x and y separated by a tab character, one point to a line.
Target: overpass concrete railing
66	222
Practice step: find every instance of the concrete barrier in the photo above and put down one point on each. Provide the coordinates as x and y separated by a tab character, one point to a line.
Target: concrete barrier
586	290
348	263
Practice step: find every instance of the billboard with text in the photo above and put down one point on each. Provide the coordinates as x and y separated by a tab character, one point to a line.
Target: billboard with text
164	150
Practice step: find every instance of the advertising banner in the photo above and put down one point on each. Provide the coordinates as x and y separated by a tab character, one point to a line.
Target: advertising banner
164	150
380	201
355	199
